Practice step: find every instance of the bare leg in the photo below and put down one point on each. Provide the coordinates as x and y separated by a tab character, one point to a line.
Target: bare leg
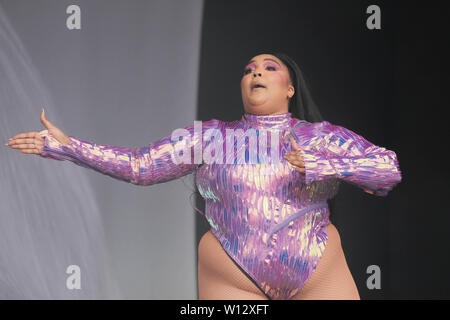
332	279
219	277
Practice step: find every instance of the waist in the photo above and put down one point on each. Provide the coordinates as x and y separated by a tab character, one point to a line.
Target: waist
243	224
297	215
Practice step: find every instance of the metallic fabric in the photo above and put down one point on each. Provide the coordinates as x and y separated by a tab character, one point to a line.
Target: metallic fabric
269	218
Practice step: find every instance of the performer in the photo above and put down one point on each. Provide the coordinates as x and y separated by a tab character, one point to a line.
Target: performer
271	236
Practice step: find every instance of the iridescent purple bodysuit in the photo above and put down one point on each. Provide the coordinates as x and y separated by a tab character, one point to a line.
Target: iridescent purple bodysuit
272	225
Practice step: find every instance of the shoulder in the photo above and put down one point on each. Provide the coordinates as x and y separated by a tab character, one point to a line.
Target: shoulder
300	127
213	122
319	128
330	134
206	124
312	133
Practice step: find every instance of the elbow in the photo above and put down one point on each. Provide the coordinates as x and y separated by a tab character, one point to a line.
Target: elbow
393	173
138	178
385	182
397	173
141	181
389	184
137	183
397	177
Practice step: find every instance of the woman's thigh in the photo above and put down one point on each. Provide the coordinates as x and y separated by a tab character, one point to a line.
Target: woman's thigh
332	279
213	288
219	277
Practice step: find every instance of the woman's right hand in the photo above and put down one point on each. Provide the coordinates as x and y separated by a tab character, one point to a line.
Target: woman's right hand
295	157
32	142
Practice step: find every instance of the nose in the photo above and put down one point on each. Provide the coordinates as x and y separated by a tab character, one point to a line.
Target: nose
255	74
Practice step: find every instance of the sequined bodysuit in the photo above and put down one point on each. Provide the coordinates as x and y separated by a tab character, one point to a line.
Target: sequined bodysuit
269	218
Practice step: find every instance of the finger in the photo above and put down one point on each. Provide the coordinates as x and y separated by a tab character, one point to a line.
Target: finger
302	170
22	146
37	135
297	168
44	120
296	162
30	134
30	151
299	164
18	141
294	155
294	144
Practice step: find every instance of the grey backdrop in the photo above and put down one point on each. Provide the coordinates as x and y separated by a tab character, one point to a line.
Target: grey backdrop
127	78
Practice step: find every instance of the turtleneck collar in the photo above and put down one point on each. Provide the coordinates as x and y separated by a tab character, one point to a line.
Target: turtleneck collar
268	121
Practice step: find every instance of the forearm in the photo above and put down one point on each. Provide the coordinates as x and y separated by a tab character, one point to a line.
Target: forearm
375	173
140	166
118	163
337	152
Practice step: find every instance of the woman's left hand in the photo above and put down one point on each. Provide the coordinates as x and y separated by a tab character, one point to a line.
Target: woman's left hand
295	157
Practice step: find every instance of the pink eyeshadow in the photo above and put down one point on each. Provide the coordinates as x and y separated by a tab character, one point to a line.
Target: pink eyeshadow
272	64
250	65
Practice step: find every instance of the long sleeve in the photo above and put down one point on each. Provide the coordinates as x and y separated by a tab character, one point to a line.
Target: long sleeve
336	152
141	166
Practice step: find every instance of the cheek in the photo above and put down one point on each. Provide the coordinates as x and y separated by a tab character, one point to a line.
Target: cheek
243	86
285	79
279	81
244	81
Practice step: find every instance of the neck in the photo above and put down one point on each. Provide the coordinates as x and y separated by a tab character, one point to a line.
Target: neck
268	120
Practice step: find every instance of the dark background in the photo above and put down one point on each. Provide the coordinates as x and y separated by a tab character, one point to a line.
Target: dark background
388	85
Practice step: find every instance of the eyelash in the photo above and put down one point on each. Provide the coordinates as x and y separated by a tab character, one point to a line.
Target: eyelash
248	70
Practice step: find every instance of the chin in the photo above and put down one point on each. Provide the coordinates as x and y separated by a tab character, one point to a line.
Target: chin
257	103
257	110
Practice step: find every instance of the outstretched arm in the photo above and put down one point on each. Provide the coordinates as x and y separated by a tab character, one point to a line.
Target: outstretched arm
141	166
336	152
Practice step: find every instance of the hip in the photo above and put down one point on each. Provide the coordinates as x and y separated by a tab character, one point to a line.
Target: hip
216	265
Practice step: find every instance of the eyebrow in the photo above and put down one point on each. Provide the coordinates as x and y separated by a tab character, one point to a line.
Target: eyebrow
265	60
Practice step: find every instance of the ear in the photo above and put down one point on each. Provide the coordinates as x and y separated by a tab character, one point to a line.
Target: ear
291	91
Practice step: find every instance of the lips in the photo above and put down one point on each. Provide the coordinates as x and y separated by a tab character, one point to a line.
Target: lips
257	85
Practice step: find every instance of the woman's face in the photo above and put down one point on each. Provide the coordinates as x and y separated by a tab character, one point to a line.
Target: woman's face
265	86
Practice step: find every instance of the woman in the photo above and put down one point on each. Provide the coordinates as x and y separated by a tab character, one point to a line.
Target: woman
270	236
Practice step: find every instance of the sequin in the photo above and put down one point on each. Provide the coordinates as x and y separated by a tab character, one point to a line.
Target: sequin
269	218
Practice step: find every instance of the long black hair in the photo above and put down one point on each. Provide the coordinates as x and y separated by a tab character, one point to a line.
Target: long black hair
302	105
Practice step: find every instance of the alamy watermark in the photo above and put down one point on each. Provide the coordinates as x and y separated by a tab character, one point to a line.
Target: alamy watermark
238	146
374	280
73	281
